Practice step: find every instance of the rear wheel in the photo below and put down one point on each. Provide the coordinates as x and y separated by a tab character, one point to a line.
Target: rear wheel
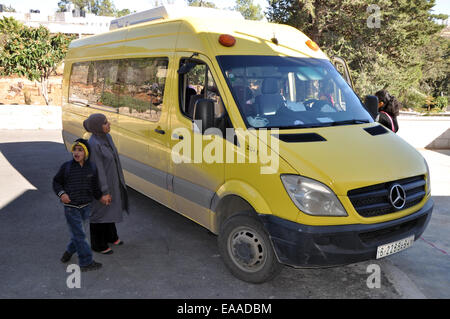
247	250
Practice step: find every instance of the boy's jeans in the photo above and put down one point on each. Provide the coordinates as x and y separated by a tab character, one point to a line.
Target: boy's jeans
77	220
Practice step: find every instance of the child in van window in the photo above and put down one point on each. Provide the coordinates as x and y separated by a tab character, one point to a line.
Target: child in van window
76	185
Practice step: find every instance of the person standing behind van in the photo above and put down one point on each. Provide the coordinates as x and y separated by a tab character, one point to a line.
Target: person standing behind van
389	109
114	201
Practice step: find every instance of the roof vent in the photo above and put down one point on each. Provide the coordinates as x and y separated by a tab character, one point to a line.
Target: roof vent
301	138
172	12
376	130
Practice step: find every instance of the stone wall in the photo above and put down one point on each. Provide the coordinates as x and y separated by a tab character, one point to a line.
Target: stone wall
13	91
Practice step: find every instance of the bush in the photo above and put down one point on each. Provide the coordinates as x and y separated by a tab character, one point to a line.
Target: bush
441	102
414	100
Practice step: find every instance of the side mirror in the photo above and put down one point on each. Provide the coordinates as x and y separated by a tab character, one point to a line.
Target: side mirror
371	104
204	112
186	67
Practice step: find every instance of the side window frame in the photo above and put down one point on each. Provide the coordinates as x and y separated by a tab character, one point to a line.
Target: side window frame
182	85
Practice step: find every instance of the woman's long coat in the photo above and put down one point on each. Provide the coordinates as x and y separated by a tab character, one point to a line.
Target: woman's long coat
111	181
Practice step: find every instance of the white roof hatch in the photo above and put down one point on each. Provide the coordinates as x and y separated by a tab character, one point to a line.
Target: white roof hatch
172	12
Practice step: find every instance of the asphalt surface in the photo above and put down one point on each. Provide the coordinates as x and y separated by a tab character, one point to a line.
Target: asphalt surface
168	256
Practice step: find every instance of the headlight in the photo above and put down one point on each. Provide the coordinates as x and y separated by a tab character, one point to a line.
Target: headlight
312	197
428	177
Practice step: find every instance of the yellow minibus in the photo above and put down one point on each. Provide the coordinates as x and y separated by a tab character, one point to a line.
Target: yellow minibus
248	129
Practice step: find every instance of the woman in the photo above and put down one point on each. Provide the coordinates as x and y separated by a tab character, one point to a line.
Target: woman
389	108
114	201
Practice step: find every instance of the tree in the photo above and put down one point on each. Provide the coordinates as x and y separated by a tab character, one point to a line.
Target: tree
436	67
86	5
63	5
385	54
33	53
103	8
8	9
248	9
201	3
123	12
97	7
8	27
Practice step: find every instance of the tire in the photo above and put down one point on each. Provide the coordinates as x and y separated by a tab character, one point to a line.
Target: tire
247	250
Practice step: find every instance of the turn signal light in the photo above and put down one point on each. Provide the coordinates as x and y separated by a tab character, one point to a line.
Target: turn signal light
227	40
312	45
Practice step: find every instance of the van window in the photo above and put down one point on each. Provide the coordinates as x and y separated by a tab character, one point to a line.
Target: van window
94	83
134	86
287	92
142	83
197	84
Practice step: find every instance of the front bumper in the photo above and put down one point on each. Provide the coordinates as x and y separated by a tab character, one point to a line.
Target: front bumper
300	245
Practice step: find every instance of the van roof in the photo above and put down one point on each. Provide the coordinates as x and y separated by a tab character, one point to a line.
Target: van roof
198	34
172	12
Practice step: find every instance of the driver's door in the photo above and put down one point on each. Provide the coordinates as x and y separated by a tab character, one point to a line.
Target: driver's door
195	179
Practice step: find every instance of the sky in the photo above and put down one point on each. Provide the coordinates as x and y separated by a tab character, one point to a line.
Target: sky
50	6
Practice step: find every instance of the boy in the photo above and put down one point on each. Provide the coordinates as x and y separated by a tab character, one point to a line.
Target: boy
76	185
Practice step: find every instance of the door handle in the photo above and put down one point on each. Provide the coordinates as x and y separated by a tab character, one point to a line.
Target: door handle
159	131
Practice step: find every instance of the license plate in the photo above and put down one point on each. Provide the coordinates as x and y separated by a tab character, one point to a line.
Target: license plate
395	247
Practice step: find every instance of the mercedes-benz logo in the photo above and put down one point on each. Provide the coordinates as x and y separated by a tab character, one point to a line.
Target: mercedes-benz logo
397	196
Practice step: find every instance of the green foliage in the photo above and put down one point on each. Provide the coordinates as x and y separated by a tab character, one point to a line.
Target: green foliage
97	7
9	25
33	53
63	5
140	106
402	53
201	3
84	4
248	9
415	100
121	13
103	8
441	102
8	9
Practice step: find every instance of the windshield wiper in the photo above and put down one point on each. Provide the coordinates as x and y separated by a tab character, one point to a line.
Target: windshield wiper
325	124
305	126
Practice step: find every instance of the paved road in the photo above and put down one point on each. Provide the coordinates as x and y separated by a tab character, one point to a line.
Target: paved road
168	256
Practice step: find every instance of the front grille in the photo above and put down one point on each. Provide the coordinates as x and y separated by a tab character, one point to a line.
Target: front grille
374	200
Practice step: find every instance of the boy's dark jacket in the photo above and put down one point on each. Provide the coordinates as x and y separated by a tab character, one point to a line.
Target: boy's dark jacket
80	183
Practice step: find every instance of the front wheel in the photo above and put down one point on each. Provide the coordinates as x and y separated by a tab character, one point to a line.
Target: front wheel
247	250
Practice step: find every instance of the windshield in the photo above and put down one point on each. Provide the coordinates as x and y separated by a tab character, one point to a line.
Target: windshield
286	92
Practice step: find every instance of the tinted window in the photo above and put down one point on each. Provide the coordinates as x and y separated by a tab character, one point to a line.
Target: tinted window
142	87
94	83
134	86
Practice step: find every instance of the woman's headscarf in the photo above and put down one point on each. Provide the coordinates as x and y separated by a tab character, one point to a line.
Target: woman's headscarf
94	124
